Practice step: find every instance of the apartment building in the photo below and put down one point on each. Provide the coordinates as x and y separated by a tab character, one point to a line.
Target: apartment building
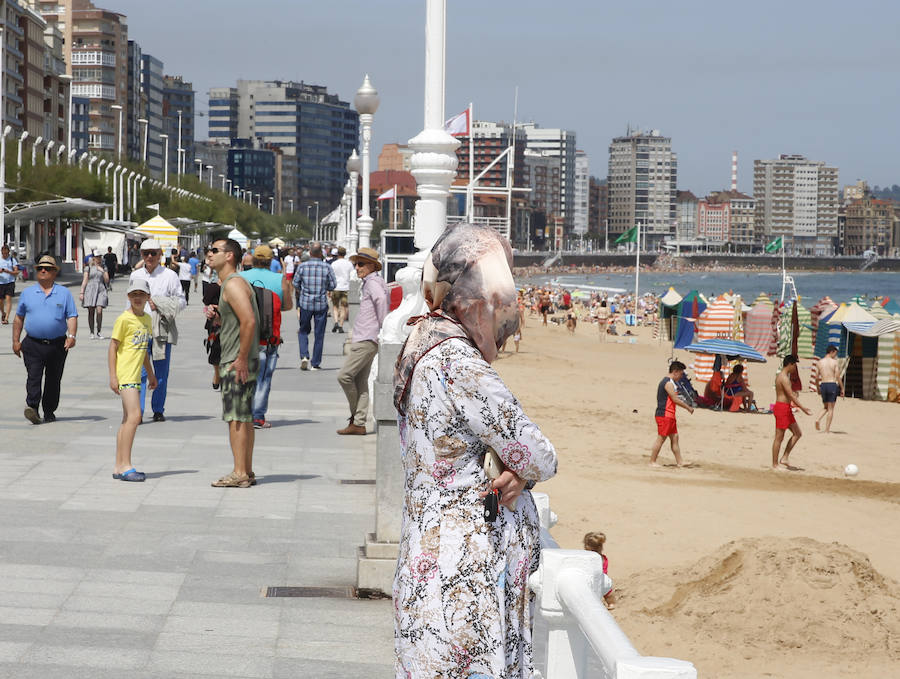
557	145
395	157
597	206
871	225
489	141
178	120
223	114
582	194
727	218
152	86
686	204
643	175
797	199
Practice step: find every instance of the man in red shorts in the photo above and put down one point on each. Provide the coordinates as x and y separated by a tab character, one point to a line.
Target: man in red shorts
666	400
784	418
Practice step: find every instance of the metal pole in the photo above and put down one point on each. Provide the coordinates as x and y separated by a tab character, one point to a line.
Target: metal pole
637	267
178	153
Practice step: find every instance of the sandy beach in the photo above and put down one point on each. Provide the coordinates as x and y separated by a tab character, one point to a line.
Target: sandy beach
745	571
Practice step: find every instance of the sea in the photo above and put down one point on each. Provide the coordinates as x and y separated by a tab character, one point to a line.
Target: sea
811	286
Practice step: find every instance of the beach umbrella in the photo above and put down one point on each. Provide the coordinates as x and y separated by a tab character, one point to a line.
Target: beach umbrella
276	242
860	300
732	350
891	306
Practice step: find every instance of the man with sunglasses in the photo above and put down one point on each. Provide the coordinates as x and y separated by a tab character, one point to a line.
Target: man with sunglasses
166	301
373	307
48	314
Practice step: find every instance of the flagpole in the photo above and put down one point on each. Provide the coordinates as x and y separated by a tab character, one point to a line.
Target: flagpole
394	212
637	267
783	269
470	194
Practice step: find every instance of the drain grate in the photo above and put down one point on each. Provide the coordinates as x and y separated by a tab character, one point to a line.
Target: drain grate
351	482
324	593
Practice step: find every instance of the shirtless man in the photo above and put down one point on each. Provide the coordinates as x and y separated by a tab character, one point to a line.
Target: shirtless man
667	399
784	418
830	385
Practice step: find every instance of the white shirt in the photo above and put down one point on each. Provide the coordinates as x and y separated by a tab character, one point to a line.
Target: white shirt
163	282
184	271
289	263
343	269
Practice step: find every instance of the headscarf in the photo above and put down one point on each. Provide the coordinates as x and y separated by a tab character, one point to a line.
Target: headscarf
469	288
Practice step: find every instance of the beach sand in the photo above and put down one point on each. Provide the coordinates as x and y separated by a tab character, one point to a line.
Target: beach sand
744	571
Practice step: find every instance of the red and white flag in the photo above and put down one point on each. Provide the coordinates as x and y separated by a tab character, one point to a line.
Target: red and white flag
387	195
458	125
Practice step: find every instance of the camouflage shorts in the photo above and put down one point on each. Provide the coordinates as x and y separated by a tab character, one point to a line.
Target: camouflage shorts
237	398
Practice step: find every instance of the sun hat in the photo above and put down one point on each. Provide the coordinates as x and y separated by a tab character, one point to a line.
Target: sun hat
151	244
138	285
48	260
263	252
367	255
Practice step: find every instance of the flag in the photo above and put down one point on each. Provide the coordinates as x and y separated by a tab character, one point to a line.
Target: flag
387	195
629	236
458	125
775	245
155	206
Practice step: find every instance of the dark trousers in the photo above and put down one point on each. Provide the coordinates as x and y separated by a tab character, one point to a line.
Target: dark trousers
306	321
44	363
186	286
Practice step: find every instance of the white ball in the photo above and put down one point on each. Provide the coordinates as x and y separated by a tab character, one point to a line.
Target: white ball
851	470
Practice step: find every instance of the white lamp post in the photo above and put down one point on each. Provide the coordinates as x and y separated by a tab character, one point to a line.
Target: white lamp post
210	169
180	150
271	205
115	188
199	169
59	153
144	123
165	139
353	167
318	235
366	102
118	107
34	148
47	149
291	203
19	154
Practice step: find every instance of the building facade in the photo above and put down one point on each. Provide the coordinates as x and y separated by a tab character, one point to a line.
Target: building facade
797	199
395	157
556	145
152	86
597	206
727	219
223	114
582	197
686	219
178	121
643	175
870	226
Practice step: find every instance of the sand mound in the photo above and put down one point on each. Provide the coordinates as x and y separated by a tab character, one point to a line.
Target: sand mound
773	594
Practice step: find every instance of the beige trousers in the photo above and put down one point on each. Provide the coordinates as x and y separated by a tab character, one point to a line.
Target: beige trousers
354	379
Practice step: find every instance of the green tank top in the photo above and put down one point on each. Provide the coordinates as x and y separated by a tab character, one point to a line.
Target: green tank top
229	334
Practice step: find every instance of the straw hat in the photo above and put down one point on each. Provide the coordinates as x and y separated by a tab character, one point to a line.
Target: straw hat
48	260
366	255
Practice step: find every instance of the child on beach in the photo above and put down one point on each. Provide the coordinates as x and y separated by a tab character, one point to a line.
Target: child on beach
517	338
593	542
127	355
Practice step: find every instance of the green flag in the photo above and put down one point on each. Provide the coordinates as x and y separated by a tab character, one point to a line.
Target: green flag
629	236
775	245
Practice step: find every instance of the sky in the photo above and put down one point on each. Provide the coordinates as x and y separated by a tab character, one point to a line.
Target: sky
814	77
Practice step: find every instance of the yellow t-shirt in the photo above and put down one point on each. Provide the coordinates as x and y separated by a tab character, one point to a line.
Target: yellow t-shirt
133	334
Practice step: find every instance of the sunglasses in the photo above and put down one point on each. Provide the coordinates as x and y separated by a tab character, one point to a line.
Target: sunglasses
44	268
215	251
361	264
149	253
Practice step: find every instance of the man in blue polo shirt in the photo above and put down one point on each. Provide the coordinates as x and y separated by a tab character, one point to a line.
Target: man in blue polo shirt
262	275
48	314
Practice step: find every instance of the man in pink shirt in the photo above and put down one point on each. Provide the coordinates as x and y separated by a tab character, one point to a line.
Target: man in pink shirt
373	307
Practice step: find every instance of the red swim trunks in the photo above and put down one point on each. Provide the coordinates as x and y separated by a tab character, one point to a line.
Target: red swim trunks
666	426
784	417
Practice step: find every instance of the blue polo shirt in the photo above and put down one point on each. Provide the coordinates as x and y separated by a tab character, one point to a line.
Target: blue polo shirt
195	263
45	315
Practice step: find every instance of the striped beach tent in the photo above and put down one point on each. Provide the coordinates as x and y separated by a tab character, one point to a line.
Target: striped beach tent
824	307
860	351
717	322
888	336
758	328
667	318
161	230
804	334
689	310
891	306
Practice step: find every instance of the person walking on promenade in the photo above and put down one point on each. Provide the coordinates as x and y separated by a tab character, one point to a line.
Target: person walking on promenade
262	275
195	269
9	269
166	301
667	399
47	313
111	262
343	270
373	307
830	385
184	277
127	355
784	418
313	280
239	337
94	295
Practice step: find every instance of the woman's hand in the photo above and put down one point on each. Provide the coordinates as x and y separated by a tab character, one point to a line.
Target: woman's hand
510	486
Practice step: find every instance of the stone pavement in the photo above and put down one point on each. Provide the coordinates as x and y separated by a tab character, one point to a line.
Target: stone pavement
106	579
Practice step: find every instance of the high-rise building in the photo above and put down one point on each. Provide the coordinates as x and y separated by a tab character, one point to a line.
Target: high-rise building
303	120
152	85
95	42
643	174
686	219
558	145
490	140
178	120
797	199
582	194
597	205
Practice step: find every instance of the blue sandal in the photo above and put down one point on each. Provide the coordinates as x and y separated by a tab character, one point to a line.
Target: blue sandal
131	475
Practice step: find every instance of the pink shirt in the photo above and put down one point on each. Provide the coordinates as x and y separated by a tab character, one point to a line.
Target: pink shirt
373	307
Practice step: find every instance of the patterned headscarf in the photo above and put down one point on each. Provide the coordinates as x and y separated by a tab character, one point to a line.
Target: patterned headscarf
468	285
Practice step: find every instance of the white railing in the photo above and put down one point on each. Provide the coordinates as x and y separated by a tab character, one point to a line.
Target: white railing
575	637
95	58
499	224
94	91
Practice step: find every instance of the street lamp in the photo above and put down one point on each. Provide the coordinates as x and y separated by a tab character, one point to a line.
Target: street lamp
165	140
291	203
118	107
271	205
6	130
180	150
144	124
230	184
353	167
199	162
34	146
210	168
317	220
47	149
366	102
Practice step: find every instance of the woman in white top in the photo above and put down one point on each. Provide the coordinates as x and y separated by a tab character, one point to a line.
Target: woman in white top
184	275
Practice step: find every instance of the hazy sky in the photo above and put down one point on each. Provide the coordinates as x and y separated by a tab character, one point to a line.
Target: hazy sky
814	77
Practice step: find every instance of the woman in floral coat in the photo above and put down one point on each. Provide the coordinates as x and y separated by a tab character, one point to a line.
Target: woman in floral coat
461	599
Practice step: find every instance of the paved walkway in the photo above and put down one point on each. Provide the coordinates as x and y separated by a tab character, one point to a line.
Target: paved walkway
105	579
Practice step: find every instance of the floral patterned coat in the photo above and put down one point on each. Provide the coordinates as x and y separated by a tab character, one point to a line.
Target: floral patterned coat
461	603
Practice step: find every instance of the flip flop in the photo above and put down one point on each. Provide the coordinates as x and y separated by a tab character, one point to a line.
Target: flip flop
131	475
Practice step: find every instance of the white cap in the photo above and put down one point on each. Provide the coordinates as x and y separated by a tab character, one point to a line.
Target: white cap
333	251
151	244
138	285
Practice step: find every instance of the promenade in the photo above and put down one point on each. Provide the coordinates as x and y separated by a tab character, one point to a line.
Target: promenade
103	579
